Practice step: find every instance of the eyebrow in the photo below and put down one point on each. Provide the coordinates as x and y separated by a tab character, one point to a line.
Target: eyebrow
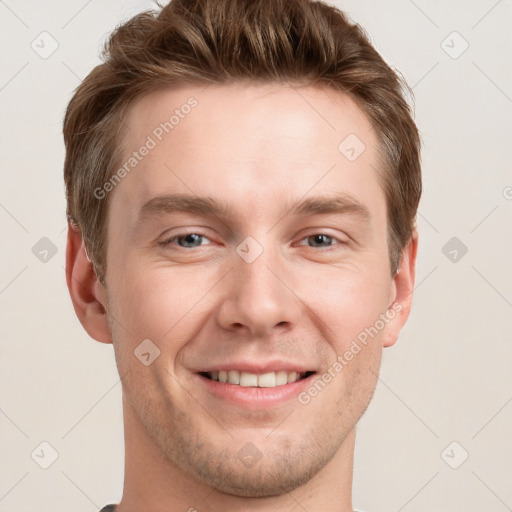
207	206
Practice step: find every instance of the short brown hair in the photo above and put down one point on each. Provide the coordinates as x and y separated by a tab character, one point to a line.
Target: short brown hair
222	41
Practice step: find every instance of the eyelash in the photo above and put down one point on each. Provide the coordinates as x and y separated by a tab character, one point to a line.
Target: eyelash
167	242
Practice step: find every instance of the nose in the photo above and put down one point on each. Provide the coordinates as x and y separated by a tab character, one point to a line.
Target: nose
259	298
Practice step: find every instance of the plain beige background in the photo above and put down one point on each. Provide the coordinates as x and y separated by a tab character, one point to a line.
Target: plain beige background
438	434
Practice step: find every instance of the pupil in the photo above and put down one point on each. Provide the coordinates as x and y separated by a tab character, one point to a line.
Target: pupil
191	238
321	239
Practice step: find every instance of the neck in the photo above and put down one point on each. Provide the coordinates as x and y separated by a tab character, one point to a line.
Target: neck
151	482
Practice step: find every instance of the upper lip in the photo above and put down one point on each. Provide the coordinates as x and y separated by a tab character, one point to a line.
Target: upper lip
257	367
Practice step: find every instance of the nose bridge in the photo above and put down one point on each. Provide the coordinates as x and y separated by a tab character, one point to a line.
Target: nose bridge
258	297
255	275
256	281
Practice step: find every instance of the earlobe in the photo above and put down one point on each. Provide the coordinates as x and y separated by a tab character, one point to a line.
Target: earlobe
403	284
87	293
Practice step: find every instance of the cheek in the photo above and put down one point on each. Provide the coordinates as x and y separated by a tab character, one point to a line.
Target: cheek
153	303
156	305
347	301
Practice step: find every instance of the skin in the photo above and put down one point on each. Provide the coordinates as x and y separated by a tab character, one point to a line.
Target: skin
258	148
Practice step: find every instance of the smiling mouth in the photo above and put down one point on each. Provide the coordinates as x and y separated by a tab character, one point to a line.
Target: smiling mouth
253	380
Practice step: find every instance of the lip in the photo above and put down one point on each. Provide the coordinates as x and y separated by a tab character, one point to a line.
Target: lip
258	368
254	397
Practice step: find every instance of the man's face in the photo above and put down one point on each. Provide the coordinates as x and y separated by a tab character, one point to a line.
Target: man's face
275	283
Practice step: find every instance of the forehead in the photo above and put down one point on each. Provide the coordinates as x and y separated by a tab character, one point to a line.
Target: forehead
251	145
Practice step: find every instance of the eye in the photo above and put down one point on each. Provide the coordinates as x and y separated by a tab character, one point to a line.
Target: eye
196	239
186	240
321	240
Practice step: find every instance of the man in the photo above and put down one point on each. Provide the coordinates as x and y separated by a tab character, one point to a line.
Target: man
242	182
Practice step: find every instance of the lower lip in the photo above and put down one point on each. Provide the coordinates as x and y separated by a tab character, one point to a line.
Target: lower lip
253	396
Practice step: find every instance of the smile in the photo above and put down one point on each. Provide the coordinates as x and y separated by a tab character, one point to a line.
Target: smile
263	380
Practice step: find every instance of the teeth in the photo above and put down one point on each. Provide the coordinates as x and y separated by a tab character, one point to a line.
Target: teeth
292	376
234	377
246	379
281	378
267	380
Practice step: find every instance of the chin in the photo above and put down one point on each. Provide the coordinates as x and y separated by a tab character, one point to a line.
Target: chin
264	480
238	468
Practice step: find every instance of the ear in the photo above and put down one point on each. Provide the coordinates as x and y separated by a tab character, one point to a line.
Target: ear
87	293
402	292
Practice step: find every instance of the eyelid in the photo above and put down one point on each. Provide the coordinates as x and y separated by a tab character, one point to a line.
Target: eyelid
330	232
